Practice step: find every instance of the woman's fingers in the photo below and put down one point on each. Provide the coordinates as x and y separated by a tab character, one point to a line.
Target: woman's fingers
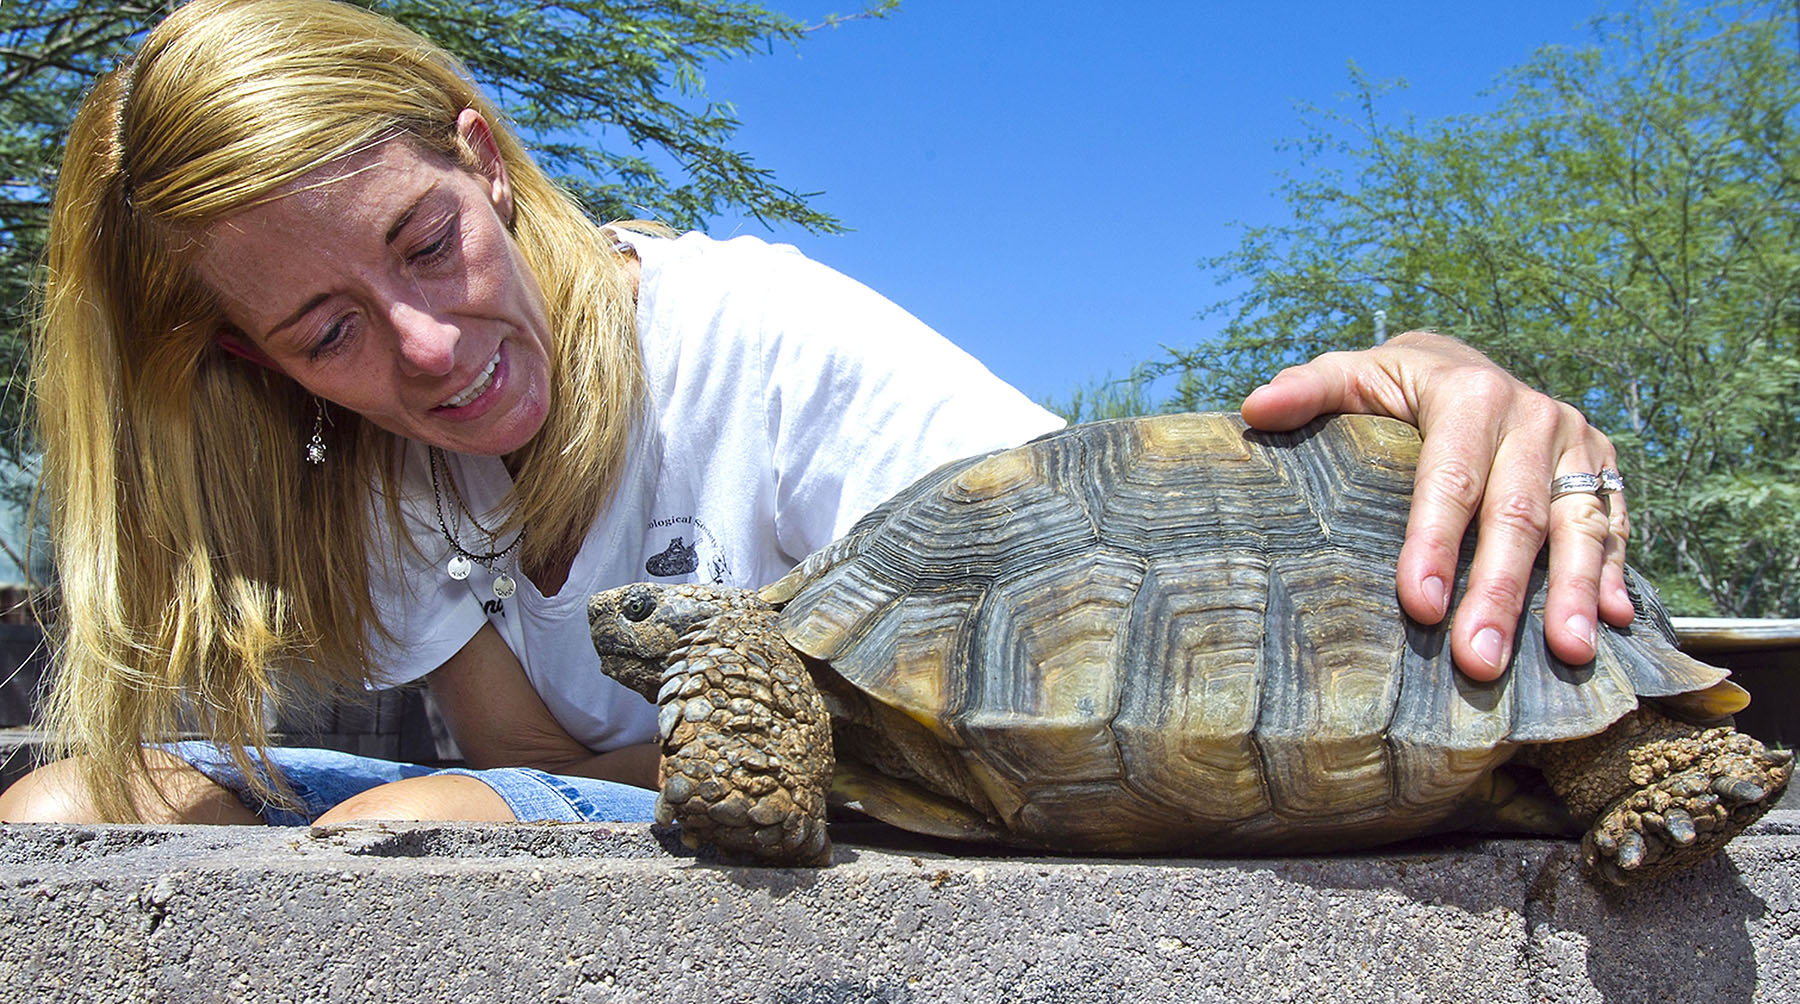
1517	518
1491	447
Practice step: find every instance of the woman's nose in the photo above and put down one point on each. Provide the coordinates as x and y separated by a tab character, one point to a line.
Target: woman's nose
427	342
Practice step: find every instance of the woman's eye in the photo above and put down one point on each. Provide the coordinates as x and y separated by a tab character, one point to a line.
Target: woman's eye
331	341
436	250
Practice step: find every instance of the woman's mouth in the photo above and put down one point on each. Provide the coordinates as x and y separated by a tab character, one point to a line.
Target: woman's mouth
476	387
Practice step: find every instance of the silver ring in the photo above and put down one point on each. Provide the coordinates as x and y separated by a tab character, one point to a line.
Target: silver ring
1610	481
1576	484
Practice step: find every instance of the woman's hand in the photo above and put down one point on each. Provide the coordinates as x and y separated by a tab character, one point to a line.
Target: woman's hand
1491	447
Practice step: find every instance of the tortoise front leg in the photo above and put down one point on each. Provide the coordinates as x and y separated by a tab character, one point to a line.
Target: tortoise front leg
746	744
1662	795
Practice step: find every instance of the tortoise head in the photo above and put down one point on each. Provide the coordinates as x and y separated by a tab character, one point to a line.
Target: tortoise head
635	627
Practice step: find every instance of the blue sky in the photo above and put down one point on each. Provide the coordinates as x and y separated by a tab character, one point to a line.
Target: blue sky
1040	181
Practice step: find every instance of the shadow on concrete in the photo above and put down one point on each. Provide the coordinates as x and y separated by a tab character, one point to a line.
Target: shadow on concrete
1684	939
1687	937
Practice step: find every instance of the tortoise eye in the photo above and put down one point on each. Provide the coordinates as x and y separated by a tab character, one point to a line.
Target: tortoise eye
637	606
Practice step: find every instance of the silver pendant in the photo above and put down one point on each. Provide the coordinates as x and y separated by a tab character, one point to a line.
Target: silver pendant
459	567
504	586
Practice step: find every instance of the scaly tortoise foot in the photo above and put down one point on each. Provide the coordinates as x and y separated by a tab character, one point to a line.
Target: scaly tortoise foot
1695	794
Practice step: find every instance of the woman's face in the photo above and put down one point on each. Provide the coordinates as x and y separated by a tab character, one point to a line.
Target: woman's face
387	283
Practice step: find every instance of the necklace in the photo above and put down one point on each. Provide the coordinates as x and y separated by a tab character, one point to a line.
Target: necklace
463	561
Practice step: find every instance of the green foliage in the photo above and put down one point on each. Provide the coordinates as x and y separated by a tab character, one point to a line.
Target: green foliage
1108	398
596	84
1621	229
607	92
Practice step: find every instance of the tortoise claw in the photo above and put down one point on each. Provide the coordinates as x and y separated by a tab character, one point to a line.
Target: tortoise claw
1631	850
1679	826
1738	790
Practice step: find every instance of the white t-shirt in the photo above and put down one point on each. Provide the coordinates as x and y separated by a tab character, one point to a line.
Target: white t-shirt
785	401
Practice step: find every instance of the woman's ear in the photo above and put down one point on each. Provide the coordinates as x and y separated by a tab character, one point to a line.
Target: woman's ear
244	348
478	138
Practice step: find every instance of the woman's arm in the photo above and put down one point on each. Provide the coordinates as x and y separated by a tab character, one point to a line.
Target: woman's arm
498	720
1491	447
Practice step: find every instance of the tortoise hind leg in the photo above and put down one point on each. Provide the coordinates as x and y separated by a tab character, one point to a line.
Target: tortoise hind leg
746	744
1663	795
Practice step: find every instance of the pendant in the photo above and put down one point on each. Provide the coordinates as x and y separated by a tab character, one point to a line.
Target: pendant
459	567
504	586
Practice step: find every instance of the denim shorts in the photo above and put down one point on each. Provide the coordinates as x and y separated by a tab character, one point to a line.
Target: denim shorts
321	779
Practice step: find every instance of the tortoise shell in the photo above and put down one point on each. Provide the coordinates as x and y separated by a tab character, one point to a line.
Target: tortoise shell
1173	632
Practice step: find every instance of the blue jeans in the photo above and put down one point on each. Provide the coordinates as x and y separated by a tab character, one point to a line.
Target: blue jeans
321	779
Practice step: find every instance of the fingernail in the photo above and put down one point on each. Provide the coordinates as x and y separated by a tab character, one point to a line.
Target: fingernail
1622	596
1435	592
1581	626
1487	646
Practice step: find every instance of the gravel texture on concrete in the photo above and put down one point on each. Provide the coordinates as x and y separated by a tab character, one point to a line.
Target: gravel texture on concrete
532	912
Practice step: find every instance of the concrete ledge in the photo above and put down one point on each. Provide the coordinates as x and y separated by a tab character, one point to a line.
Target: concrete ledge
598	913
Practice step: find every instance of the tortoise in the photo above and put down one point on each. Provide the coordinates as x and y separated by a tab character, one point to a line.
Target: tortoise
1165	635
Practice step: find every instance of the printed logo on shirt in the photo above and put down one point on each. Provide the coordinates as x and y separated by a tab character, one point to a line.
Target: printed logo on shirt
703	556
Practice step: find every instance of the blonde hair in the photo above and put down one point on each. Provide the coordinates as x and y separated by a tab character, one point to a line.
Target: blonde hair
205	570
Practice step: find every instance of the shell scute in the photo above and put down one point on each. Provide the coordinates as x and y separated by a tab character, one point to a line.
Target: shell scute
1044	700
1185	734
916	657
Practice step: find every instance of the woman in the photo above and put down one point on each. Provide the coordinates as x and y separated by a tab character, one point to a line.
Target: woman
337	389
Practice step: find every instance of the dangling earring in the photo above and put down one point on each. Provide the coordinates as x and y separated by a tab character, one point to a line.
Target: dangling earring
315	450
